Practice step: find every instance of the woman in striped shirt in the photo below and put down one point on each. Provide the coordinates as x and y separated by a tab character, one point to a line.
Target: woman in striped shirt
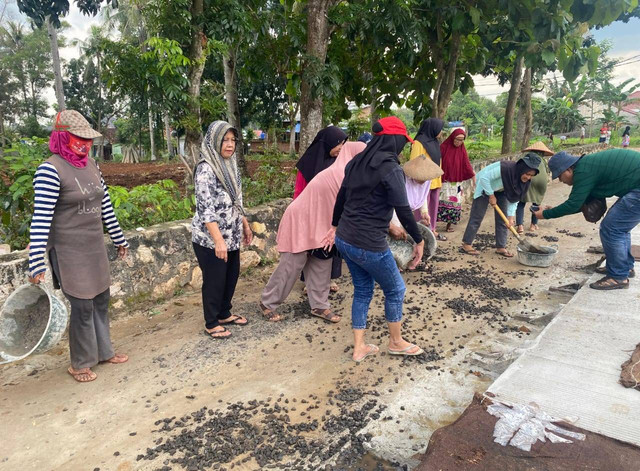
70	209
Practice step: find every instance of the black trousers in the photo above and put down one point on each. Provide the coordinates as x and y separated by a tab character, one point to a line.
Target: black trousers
219	279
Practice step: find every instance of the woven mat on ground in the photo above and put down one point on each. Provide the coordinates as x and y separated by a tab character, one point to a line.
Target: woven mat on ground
467	445
630	374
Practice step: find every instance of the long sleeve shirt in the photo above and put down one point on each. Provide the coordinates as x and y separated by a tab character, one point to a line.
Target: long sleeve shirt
366	226
489	181
46	185
613	172
213	204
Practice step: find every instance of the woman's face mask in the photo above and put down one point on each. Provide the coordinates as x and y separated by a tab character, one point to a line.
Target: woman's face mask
79	145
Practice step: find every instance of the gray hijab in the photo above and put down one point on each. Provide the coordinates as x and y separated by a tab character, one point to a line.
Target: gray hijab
225	170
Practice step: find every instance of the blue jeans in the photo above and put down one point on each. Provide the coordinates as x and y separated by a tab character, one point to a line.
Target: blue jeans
615	234
367	267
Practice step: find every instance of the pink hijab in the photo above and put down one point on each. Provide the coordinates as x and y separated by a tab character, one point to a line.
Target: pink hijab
59	144
307	220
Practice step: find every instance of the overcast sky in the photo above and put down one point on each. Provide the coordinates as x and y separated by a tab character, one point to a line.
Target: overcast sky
625	38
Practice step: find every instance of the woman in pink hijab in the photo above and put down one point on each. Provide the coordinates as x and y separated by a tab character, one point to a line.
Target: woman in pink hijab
302	228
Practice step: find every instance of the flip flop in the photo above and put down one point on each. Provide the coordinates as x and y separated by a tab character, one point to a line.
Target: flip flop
405	351
373	349
473	252
82	372
505	254
326	315
117	358
234	319
218	337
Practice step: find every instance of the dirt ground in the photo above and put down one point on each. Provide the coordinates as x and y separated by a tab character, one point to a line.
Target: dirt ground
131	175
287	395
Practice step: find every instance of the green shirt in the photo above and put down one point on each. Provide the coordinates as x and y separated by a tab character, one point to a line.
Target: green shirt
613	172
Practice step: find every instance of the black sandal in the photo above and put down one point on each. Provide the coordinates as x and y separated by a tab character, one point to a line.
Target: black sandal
235	320
607	283
214	335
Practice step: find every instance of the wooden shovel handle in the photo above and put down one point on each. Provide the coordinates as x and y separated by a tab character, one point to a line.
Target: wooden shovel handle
506	221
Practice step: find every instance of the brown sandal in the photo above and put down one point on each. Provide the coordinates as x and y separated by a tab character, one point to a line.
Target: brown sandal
505	253
83	375
117	358
607	283
473	252
326	314
270	314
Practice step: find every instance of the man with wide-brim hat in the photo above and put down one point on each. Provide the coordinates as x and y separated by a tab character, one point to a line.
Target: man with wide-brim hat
538	187
614	172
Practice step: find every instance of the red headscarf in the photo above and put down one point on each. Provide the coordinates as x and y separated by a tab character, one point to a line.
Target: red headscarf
455	160
59	144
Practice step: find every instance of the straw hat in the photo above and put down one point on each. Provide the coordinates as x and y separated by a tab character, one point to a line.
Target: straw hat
422	169
539	147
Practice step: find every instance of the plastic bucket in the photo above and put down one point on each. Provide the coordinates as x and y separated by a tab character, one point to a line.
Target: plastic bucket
32	320
531	259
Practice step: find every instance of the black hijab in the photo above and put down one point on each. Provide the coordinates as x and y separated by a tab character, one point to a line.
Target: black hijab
427	133
366	170
316	158
510	172
627	131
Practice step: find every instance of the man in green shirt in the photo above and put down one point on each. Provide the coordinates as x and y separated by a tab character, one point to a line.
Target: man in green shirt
614	172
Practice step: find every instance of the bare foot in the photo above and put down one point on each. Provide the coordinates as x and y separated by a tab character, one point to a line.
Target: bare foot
83	375
334	288
533	227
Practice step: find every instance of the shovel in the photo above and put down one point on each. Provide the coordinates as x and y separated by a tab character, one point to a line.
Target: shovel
524	243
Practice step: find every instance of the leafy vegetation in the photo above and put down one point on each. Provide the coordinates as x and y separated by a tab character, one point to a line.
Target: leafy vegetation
16	190
146	205
271	180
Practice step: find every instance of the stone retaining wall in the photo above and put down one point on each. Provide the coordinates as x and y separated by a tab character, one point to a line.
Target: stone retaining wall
161	261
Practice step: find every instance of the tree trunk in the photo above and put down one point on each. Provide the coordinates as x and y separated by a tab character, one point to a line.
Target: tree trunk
230	60
507	131
525	116
374	102
293	111
193	132
55	59
448	82
317	41
167	131
152	137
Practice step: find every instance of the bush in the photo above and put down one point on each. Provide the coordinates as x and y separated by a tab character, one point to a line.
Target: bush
146	205
271	181
16	189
